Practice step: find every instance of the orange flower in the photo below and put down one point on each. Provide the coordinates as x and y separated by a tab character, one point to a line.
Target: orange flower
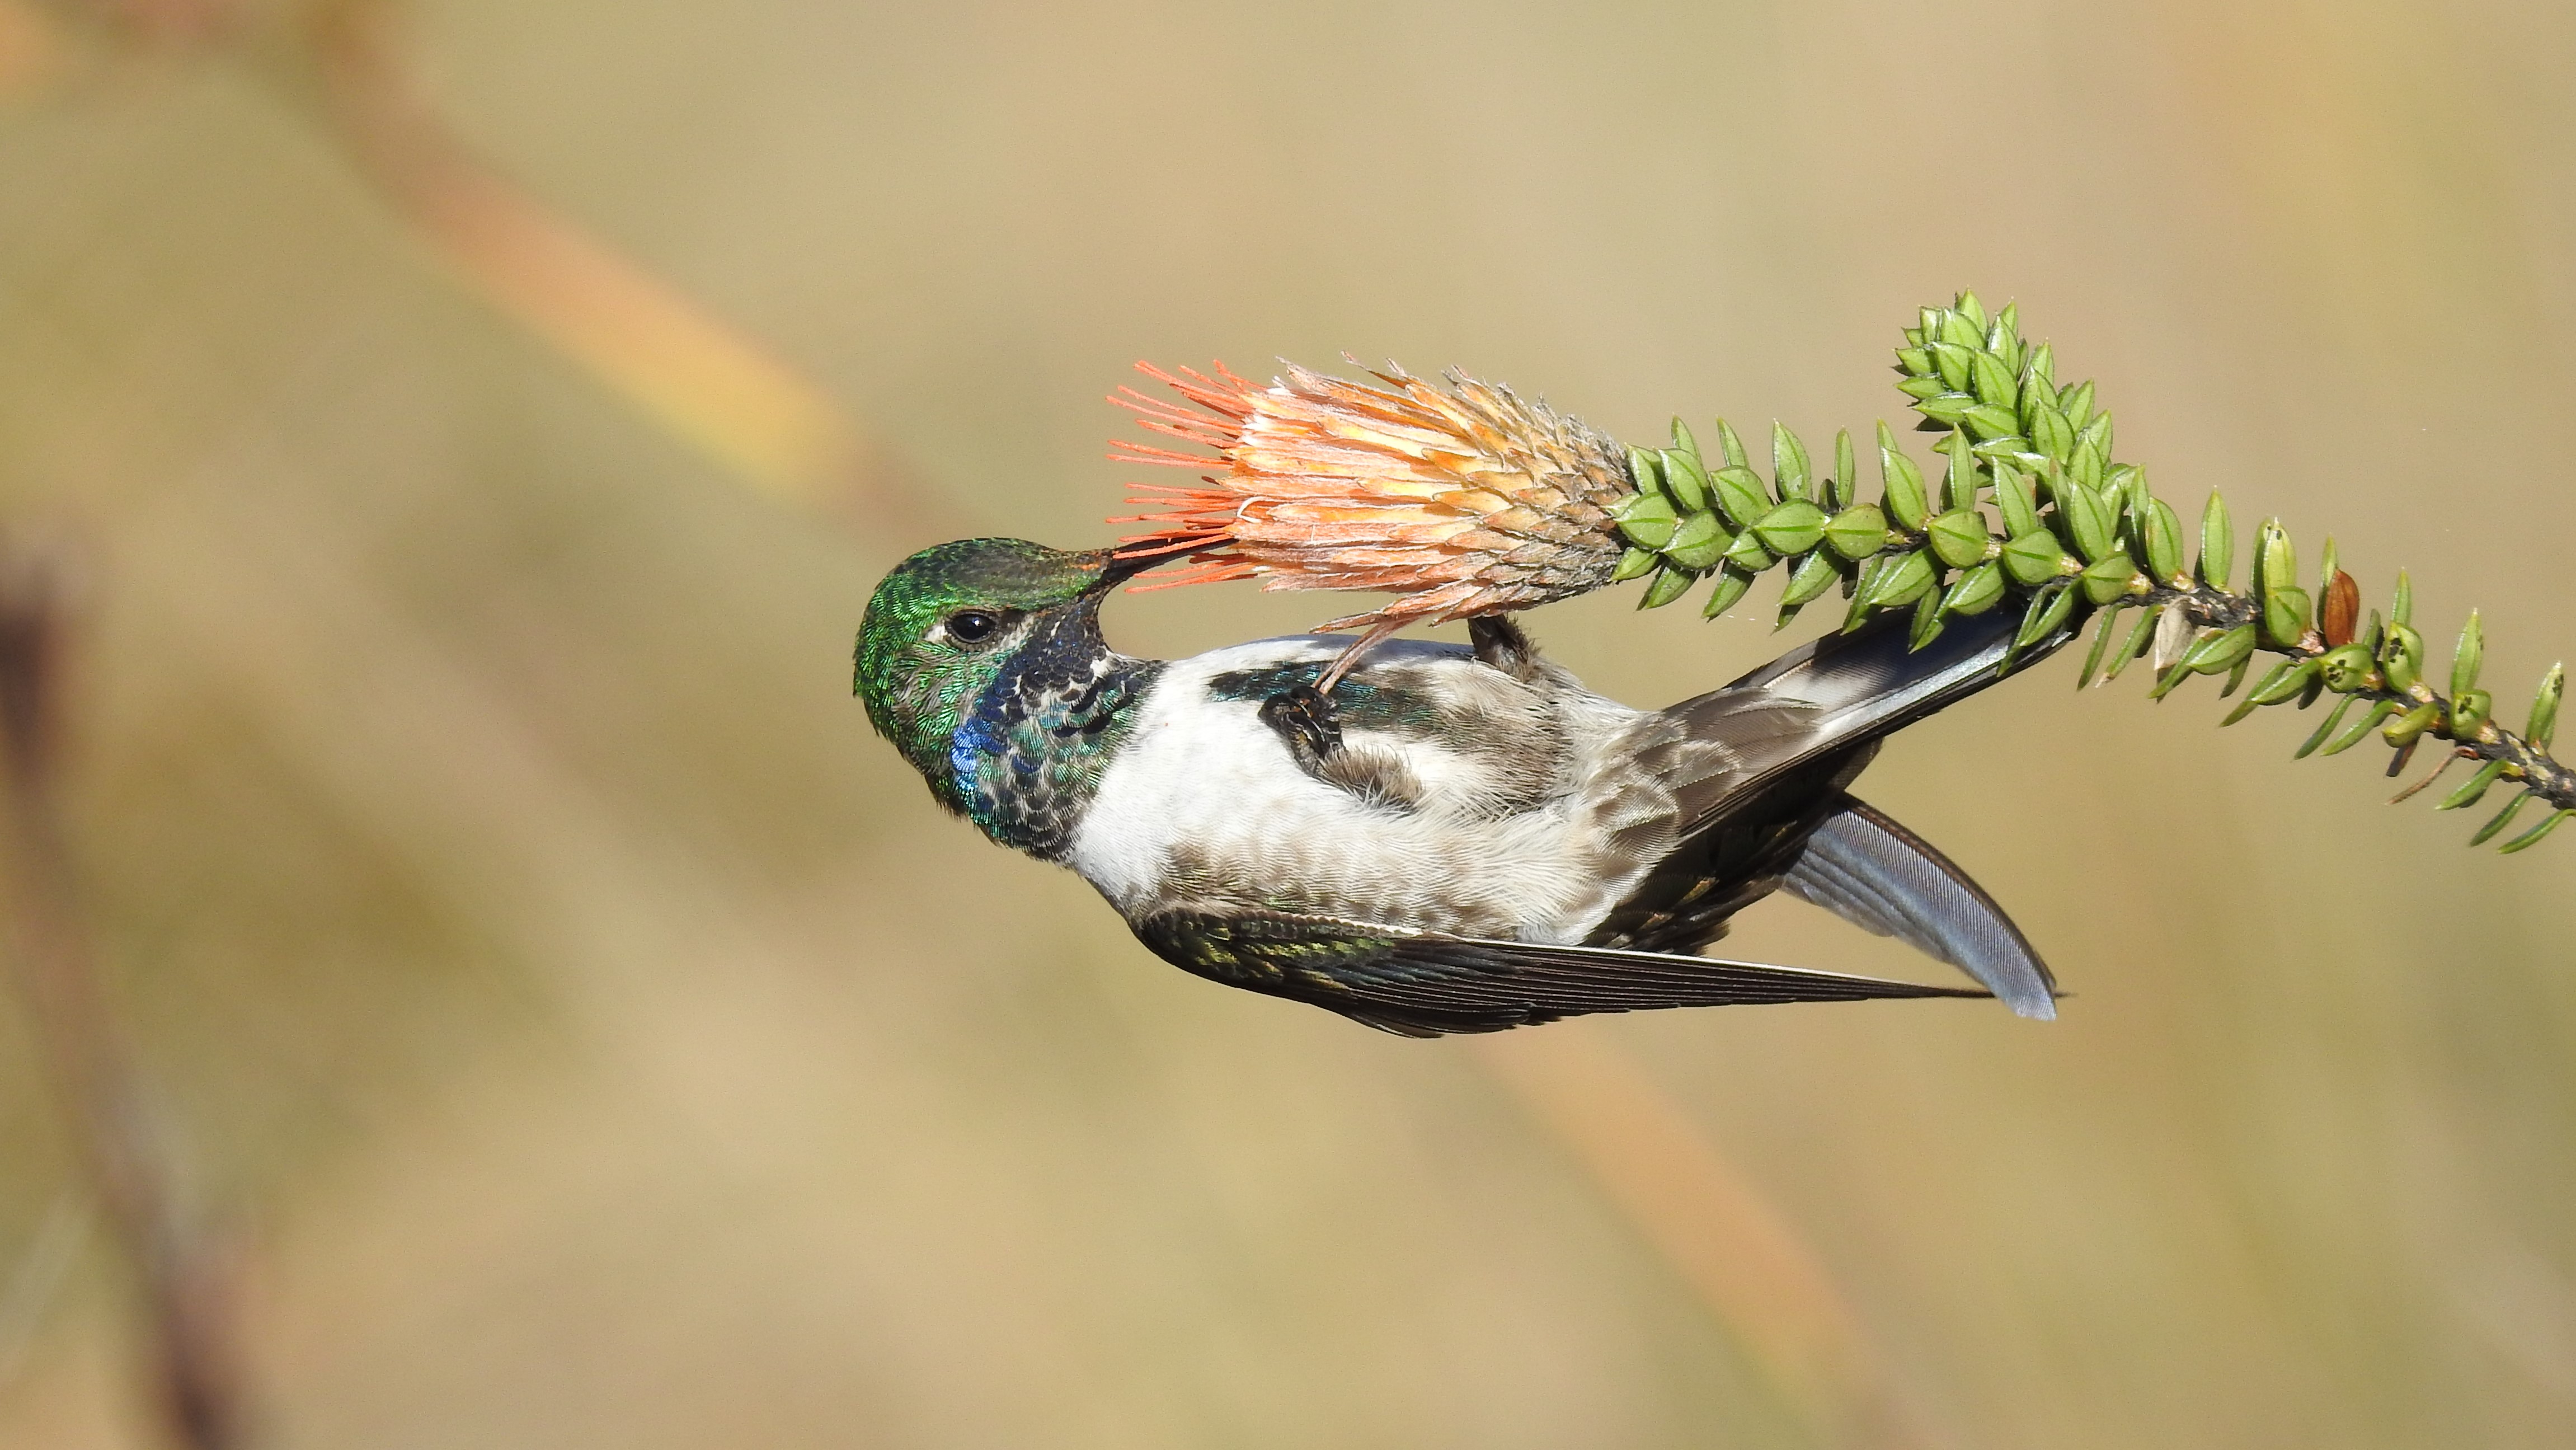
1460	501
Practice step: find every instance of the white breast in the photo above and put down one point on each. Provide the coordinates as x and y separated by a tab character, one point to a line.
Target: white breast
1204	806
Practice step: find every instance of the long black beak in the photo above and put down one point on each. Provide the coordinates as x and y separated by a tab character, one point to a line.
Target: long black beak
1115	571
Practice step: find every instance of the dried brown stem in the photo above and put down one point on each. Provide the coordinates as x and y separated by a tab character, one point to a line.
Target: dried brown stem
86	1053
2528	766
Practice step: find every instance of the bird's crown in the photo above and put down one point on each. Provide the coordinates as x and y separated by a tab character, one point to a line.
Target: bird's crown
943	624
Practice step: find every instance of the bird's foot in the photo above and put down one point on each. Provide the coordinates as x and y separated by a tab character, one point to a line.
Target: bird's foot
1303	716
1502	644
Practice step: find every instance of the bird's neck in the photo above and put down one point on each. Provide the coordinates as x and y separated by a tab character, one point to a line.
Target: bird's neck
1027	757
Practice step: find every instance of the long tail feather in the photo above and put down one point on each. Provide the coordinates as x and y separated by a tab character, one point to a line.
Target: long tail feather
1881	877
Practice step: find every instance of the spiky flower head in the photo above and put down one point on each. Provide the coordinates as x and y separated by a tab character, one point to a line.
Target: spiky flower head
1459	500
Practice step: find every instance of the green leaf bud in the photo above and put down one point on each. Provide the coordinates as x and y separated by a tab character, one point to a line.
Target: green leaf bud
1976	591
2535	835
1946	408
1970	308
2096	432
1963	331
1648	519
2500	820
1814	575
1741	494
2108	578
2164	686
1959	474
2276	562
2050	433
1846	483
2325	728
1857	532
2034	558
2235	676
2406	729
2403	610
2401	657
1635	563
2048	609
1792	528
1683	442
2347	668
1950	361
2101	643
1730	587
1747	553
2544	707
1860	611
1698	544
1921	388
2075	400
2136	644
2217	543
2470	654
2288	678
2084	465
2014	500
1685	481
2476	787
2285	616
2220	651
2125	485
2088	520
1992	382
1789	466
1670	585
2041	368
2163	539
2361	728
1902	481
2469	710
1644	471
1959	537
1901	581
1927	621
1989	421
1914	362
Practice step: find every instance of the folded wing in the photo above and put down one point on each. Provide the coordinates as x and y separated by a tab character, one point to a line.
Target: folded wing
1427	985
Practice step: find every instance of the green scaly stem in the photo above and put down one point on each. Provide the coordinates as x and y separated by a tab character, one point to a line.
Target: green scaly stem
2070	530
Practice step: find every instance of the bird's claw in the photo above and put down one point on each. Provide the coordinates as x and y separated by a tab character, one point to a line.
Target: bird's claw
1303	716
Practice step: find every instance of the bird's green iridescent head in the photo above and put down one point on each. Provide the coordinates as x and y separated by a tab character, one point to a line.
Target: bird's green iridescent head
943	625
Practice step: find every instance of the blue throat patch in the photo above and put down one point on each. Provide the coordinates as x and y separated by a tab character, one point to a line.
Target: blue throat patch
1023	761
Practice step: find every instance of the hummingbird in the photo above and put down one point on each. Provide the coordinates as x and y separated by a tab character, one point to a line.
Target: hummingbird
1456	838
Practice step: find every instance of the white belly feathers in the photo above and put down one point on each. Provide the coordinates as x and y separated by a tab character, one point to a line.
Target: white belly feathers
1204	807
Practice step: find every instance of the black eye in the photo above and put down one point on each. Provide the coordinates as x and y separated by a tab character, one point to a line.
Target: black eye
972	626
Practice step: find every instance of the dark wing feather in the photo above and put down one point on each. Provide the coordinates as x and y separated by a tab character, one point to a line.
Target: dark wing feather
1425	985
1755	766
1831	698
1877	875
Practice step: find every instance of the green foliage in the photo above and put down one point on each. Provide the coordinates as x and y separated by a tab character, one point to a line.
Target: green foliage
2033	510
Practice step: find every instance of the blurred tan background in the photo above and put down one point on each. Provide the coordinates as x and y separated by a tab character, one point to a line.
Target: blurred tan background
479	426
